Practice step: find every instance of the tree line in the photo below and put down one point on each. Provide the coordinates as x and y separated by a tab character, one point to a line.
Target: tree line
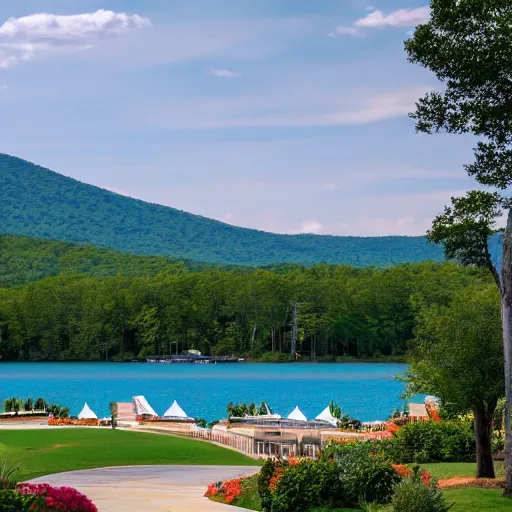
341	311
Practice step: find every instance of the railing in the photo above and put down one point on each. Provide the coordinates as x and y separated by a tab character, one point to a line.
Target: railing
240	442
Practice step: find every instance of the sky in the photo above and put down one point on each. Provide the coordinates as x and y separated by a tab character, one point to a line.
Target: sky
287	116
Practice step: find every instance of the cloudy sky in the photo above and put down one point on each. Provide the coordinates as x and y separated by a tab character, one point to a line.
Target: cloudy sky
286	116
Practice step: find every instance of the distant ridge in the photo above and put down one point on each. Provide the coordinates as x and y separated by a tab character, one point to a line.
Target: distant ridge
26	259
38	202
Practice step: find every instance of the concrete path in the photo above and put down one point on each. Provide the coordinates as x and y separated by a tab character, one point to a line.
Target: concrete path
150	488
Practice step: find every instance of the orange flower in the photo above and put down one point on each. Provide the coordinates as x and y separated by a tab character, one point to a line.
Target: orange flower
275	478
402	470
426	478
232	489
392	427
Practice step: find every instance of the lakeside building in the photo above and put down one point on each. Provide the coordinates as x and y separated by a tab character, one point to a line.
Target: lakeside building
262	436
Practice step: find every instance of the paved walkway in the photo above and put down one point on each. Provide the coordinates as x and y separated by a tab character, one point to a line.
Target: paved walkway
150	488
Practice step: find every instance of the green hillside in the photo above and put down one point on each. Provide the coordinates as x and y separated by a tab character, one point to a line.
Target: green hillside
26	259
40	203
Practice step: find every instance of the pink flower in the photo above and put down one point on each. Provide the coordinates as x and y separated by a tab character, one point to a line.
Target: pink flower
59	499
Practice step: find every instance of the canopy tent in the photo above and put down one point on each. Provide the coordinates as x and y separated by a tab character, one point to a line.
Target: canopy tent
142	407
175	411
297	415
326	416
87	414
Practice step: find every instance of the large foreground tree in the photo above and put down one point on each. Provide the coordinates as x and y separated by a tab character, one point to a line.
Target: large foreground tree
468	45
458	348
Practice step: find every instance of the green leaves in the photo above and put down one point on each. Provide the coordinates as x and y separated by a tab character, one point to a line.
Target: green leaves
464	228
467	45
458	354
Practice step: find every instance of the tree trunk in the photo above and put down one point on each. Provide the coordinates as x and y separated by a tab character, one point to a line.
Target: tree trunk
506	310
483	435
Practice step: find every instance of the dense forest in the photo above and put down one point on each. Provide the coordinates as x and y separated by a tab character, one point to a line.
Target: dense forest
25	259
340	311
40	203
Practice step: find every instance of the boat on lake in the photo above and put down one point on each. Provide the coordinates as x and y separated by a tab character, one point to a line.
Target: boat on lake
193	359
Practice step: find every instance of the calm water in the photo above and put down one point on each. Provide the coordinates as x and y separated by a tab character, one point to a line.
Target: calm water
364	390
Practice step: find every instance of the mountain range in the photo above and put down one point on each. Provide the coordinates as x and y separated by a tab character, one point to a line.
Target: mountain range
38	202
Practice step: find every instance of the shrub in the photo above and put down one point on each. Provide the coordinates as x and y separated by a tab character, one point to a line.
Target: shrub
40	405
412	495
58	499
64	412
15	501
17	404
299	488
201	422
8	475
8	405
430	441
365	476
264	477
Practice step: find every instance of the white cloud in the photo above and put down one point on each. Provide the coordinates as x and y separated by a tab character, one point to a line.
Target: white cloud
344	30
330	186
399	18
311	226
377	19
224	73
371	108
28	37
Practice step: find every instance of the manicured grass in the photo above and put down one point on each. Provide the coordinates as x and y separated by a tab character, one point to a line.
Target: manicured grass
42	452
445	470
250	498
478	500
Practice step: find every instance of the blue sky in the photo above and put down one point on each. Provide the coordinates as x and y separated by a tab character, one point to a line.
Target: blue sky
288	116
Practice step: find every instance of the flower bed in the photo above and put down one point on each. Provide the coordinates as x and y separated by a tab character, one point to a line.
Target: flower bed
225	491
57	499
241	492
486	483
56	422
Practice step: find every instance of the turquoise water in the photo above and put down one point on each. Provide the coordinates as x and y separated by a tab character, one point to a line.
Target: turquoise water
365	391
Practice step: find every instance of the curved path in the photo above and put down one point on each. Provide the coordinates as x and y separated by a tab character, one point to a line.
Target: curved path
150	488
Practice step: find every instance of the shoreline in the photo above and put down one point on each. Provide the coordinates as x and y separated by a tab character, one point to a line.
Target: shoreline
339	360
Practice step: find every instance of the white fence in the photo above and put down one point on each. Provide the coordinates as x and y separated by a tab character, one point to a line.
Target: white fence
237	441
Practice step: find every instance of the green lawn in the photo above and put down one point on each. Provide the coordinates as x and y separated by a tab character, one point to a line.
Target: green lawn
445	470
478	500
42	452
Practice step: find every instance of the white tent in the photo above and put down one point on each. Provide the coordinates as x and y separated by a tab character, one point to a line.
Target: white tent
87	414
142	407
297	415
175	411
326	416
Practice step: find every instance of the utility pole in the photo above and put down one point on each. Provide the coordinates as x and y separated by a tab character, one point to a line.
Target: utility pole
294	329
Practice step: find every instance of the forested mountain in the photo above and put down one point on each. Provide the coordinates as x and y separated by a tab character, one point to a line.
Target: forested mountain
40	203
25	259
341	311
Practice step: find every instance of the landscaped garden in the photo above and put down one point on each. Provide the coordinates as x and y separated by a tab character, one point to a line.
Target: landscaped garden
244	493
42	452
424	468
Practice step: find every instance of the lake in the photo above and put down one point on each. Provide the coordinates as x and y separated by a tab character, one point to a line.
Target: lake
364	390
